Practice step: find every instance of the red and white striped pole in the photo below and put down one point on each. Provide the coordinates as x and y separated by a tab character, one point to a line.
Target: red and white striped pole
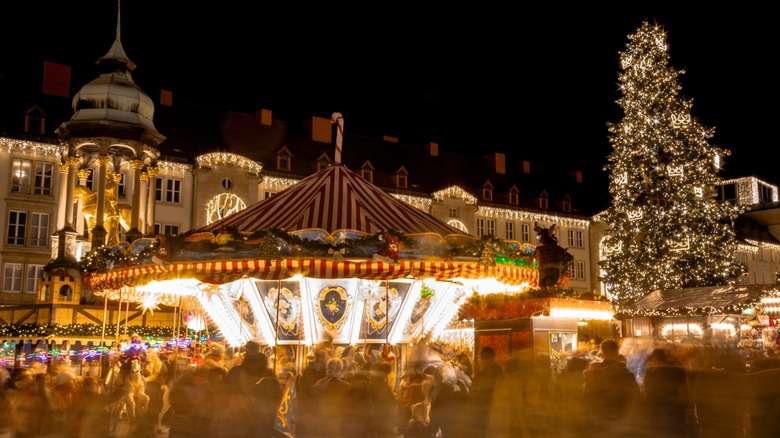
339	120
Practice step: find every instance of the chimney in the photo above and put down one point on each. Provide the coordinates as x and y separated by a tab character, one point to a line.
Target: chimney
577	176
322	130
266	117
526	165
498	161
166	98
56	79
432	148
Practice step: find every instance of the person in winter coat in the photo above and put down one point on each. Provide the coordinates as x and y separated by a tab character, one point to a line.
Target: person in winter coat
611	392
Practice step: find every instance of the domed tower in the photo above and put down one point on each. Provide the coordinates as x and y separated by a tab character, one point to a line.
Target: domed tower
111	145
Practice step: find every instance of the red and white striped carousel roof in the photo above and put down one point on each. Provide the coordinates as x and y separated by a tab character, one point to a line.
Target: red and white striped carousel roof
334	199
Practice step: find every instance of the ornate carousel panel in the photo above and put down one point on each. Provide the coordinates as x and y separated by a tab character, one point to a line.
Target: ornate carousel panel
382	302
282	305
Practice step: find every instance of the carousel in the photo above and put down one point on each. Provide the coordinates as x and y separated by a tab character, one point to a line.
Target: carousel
330	256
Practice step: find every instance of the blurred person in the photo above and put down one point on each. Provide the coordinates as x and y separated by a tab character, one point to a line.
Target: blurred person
611	392
5	403
568	396
447	403
254	396
763	385
667	410
304	421
717	385
29	403
168	375
331	392
195	399
481	393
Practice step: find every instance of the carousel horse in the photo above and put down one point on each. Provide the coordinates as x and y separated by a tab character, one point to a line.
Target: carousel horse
127	389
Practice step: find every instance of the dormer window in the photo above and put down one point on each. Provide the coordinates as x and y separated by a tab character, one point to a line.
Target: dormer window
487	192
35	121
400	181
514	196
323	161
544	201
566	204
401	178
284	160
367	172
283	163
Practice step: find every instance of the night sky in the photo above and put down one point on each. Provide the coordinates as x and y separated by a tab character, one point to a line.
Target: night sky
474	79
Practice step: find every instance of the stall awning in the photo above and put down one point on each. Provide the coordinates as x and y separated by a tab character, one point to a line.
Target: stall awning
701	300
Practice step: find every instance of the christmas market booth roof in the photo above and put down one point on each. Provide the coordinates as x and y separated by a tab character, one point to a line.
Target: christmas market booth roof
710	300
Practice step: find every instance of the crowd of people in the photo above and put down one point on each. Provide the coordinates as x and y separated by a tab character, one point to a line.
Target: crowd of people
611	390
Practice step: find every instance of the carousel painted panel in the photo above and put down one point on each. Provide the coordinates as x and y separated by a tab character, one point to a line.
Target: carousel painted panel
382	302
282	305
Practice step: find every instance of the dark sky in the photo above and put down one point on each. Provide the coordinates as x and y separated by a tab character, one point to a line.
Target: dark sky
539	83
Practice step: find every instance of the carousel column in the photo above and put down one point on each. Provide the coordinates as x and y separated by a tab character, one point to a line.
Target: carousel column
134	233
66	243
83	174
142	221
99	231
151	203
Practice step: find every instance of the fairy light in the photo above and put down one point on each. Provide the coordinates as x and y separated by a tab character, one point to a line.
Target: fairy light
172	167
230	159
32	147
415	201
748	190
571	313
671	329
456	193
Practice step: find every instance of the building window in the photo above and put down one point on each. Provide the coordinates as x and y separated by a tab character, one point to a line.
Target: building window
490	227
34	122
34	273
510	231
454	213
283	162
480	227
566	205
544	202
525	232
20	175
514	198
168	230
17	227
12	277
400	181
66	293
269	194
39	229
43	178
322	165
367	175
487	194
168	190
576	238
90	182
577	270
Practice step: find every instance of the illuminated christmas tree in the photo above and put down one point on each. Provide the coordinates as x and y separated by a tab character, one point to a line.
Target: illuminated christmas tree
665	228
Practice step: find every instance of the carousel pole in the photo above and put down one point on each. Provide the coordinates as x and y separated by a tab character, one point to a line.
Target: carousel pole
127	315
118	321
103	333
276	329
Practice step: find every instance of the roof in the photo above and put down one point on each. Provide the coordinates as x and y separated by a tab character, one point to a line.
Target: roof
334	199
700	300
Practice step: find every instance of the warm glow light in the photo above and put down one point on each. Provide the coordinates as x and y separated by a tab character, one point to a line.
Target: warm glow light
598	315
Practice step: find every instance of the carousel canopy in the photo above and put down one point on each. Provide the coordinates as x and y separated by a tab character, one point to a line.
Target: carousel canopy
335	199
